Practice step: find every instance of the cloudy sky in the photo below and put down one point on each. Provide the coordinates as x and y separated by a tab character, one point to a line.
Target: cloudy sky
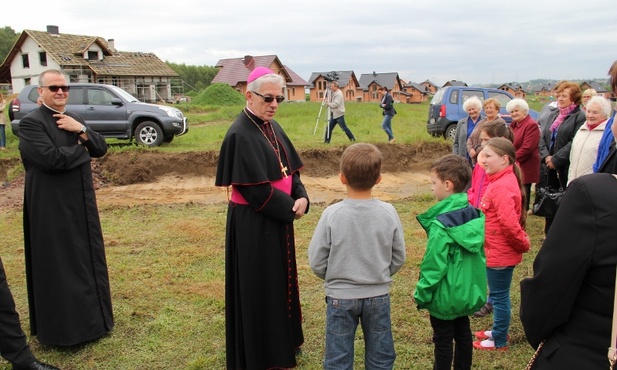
473	41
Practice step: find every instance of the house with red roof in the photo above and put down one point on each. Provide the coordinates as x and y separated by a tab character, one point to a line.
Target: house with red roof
235	72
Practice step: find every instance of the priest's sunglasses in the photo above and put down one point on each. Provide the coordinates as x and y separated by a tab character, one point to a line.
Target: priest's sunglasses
54	88
270	99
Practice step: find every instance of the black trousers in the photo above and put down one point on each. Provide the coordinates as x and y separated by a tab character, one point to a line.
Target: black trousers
446	331
13	345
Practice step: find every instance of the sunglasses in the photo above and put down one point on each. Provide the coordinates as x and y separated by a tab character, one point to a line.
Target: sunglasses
270	99
54	88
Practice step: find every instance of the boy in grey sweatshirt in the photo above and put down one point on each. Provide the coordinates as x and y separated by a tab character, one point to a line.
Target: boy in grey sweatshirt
357	246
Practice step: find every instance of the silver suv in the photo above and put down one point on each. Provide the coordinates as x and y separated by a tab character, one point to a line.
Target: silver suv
112	112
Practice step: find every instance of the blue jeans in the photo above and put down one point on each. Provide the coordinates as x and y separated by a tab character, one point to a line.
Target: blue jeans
386	125
341	121
2	136
499	282
342	317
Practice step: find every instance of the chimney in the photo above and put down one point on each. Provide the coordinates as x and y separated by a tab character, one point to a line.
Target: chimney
111	44
374	74
247	59
53	30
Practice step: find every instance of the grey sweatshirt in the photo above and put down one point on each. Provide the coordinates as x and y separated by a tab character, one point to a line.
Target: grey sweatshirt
357	246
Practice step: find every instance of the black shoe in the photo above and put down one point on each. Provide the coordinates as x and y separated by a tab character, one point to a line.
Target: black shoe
36	365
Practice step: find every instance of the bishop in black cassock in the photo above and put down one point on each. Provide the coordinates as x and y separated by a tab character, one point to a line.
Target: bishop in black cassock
259	162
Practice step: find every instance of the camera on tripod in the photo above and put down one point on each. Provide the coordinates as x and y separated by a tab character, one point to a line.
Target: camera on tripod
332	76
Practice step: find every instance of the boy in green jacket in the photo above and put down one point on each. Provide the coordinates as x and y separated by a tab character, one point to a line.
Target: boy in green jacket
452	283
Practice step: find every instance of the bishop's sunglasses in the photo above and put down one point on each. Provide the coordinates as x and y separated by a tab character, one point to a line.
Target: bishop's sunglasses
270	99
54	88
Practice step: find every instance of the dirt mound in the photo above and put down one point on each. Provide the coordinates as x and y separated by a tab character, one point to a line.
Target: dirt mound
139	177
139	167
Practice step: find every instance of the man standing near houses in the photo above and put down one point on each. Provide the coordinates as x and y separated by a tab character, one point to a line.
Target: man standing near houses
337	113
66	270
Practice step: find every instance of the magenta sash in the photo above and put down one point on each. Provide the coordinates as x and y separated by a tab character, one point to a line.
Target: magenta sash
283	185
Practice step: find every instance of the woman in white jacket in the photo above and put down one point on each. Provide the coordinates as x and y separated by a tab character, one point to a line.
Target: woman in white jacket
587	139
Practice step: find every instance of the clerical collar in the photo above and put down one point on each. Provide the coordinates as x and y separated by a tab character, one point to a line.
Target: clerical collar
52	109
253	113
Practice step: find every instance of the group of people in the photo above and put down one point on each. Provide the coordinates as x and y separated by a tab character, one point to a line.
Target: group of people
336	103
357	246
476	236
574	272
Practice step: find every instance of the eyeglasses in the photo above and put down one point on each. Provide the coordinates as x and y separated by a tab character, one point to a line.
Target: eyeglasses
270	99
54	88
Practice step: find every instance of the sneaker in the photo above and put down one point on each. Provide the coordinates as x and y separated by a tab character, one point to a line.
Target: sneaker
488	344
487	309
392	141
487	334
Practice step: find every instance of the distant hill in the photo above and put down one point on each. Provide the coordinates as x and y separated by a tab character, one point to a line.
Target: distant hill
536	84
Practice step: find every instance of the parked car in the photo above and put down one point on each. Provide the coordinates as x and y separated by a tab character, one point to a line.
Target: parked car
446	108
112	112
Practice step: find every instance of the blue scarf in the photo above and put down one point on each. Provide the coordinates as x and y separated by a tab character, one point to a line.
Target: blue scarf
605	144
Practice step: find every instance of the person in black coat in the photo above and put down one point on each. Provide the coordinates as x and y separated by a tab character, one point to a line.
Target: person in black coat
13	345
66	269
568	303
557	133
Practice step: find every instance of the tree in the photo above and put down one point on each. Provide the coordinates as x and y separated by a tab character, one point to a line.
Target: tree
195	77
8	36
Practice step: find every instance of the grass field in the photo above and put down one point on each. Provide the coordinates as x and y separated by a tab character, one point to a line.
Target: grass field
166	265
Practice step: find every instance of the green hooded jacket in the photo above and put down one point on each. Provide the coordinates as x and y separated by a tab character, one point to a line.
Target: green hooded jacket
452	279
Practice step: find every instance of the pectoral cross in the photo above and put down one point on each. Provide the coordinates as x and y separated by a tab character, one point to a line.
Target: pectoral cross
283	170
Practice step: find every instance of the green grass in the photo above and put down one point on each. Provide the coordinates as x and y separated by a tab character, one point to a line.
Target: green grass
208	125
166	265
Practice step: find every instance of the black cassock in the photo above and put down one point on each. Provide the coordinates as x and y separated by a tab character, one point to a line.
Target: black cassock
66	270
262	304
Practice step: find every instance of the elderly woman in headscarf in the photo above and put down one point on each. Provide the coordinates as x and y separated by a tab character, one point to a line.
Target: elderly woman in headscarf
557	133
526	139
491	109
466	125
587	139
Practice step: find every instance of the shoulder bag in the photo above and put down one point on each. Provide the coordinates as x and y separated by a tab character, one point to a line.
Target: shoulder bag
548	198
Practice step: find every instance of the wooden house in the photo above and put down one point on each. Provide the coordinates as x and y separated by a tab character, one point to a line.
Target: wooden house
90	59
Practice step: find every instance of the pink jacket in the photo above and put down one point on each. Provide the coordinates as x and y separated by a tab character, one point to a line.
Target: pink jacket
479	182
505	240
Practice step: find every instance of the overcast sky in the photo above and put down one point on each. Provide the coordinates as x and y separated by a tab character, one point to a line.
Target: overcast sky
473	41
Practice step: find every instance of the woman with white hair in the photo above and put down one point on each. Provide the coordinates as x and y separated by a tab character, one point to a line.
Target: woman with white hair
587	139
526	137
465	126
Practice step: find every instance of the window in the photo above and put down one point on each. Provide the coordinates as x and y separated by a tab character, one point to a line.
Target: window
43	58
25	61
469	93
76	96
502	98
99	97
93	55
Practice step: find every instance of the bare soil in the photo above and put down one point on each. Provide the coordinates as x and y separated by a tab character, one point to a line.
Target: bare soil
132	178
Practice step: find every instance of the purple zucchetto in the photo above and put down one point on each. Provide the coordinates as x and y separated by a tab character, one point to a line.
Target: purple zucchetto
258	72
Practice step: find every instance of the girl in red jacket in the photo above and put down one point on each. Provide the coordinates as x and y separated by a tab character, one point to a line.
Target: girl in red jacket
505	236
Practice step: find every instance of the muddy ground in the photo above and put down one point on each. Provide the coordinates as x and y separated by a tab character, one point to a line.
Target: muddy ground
141	177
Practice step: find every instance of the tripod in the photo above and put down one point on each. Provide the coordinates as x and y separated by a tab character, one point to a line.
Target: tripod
327	119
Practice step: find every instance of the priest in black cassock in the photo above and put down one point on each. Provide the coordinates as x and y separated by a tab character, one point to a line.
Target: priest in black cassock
66	271
259	162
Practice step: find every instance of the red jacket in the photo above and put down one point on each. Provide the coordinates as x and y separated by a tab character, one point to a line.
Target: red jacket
526	139
505	240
